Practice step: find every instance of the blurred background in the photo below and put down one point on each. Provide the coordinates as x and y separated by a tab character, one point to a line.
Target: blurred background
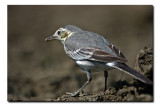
37	69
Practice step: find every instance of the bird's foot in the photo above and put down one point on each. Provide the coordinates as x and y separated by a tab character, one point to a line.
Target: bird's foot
73	94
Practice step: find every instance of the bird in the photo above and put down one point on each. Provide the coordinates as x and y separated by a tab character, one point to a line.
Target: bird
92	52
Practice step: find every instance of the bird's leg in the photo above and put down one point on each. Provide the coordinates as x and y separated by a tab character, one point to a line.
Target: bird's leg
105	83
89	77
121	76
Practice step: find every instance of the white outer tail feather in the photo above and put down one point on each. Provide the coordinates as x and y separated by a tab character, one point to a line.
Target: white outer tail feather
123	67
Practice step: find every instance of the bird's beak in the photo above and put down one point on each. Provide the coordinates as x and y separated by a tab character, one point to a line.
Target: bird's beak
51	38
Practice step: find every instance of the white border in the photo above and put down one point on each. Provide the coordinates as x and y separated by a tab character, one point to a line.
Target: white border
3	42
81	2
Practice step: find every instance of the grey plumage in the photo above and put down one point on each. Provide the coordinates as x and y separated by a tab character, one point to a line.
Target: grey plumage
73	28
84	39
92	51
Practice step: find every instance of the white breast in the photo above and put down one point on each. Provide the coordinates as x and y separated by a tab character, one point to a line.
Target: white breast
93	66
85	63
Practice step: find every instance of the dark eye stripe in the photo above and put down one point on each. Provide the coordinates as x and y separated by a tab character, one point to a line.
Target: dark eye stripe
58	32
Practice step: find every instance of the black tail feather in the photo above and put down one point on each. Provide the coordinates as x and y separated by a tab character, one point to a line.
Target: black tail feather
128	70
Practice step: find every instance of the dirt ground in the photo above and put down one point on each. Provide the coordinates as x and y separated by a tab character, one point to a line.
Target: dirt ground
40	71
121	91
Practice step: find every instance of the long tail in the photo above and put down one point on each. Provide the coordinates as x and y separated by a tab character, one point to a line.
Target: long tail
123	67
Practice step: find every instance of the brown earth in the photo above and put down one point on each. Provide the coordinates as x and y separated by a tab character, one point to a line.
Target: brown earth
122	91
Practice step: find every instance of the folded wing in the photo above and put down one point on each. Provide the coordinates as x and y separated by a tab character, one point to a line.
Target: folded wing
95	54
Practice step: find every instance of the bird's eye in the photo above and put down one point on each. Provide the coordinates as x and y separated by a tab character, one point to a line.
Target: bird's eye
58	32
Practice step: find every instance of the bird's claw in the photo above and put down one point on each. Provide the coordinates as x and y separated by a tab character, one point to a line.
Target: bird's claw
72	94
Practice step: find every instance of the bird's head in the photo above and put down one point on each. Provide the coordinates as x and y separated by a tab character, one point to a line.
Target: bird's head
61	34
